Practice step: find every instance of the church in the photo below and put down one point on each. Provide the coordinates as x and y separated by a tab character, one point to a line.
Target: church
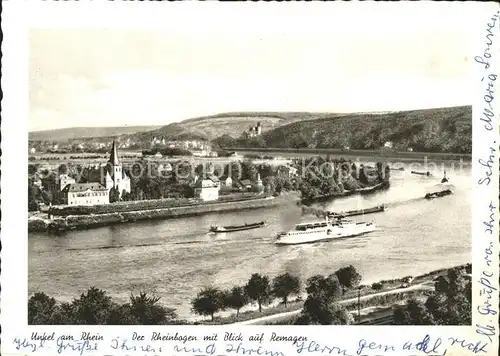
111	174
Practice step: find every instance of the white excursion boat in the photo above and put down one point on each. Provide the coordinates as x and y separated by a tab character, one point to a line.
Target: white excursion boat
323	230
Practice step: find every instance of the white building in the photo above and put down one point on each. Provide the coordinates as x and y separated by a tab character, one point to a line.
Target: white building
258	183
292	171
199	153
112	174
206	190
85	194
64	180
120	180
226	181
215	180
388	144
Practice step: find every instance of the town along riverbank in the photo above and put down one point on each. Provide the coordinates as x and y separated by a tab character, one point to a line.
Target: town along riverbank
66	219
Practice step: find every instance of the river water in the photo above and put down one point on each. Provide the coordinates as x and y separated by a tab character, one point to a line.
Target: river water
175	258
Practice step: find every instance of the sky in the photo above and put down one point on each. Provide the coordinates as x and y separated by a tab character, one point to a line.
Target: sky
321	61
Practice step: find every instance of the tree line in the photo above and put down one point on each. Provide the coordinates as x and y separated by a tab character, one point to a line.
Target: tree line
449	304
330	176
95	307
319	307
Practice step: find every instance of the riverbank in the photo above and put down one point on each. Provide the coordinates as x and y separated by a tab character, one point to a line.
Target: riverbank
379	154
388	293
71	222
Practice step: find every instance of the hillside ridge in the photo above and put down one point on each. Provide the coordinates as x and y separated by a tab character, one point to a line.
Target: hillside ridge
433	130
447	129
69	133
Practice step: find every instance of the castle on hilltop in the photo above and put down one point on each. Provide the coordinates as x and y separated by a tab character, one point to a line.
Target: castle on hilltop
255	130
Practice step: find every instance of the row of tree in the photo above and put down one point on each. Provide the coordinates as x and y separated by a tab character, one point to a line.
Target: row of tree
322	291
95	307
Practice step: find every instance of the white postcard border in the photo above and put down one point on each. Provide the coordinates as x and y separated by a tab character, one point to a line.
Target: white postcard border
18	17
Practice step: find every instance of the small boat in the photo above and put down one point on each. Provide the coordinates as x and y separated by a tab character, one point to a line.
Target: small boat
438	194
444	180
397	169
230	228
428	174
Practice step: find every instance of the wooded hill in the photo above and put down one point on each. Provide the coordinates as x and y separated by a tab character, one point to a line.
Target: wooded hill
429	130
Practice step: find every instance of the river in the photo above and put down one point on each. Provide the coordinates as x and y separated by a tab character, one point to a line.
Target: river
176	258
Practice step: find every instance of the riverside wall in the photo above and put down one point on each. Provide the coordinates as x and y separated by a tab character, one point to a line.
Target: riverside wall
72	222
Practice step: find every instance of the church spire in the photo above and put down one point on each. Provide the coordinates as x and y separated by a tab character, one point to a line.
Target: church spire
113	159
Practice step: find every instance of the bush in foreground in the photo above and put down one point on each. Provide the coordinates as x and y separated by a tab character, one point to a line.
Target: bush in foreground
449	304
95	307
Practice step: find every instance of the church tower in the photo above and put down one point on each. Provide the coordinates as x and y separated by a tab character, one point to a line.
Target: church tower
116	167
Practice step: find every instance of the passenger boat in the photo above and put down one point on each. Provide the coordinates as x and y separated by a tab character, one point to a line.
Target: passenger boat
230	228
316	231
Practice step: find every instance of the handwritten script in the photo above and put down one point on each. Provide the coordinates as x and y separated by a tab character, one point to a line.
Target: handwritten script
260	345
487	164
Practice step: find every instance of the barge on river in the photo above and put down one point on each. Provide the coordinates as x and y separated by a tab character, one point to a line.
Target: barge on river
376	209
440	194
231	228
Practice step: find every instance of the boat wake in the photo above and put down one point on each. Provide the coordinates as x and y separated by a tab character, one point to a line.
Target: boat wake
110	247
214	240
403	202
444	186
192	242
